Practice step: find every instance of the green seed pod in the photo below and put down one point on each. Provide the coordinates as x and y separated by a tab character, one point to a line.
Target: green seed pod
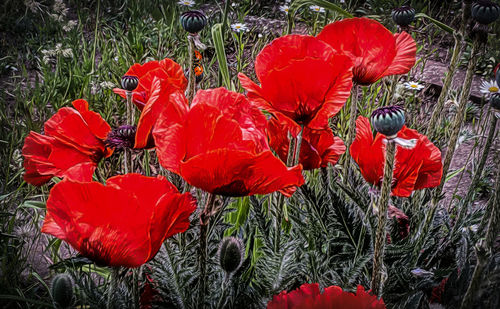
485	12
388	120
495	101
193	21
403	16
231	254
130	82
62	290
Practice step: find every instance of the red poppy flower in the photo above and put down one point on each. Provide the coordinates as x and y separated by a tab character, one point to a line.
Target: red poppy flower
416	168
122	223
309	296
303	81
318	147
167	70
219	144
375	51
72	146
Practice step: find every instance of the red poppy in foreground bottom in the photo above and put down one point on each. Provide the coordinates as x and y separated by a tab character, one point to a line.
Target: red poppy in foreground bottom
309	296
122	223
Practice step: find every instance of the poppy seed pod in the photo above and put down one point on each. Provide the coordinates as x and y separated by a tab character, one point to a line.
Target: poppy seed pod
403	16
495	101
193	21
485	12
62	290
121	137
388	120
130	82
231	254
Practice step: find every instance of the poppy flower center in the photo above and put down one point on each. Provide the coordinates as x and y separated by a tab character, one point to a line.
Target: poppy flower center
95	251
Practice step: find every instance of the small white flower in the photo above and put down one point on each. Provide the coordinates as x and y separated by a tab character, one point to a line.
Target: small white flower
57	17
284	8
489	88
413	86
234	4
67	53
188	3
260	35
70	25
317	9
116	59
107	85
239	27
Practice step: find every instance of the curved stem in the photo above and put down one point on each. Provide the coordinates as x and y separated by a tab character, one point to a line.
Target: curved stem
351	129
383	202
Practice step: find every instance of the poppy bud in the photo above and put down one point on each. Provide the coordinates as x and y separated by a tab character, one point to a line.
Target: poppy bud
403	16
121	137
485	12
495	101
62	290
388	120
193	21
231	254
129	82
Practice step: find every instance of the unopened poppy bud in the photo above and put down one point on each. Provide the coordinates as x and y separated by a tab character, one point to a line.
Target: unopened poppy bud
388	120
62	290
403	16
129	82
121	137
231	254
485	12
495	101
193	21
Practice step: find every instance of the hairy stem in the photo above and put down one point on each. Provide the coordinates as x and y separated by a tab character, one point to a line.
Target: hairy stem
438	110
112	287
457	124
351	129
202	255
191	77
383	202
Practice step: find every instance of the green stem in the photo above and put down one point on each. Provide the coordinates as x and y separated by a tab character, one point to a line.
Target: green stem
480	167
191	76
204	221
351	129
112	287
438	110
457	124
383	202
484	248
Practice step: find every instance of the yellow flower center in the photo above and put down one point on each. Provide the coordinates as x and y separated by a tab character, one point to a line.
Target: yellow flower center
413	86
493	89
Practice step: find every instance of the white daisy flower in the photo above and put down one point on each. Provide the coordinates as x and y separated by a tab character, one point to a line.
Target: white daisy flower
260	35
413	86
317	9
489	88
239	27
284	8
188	3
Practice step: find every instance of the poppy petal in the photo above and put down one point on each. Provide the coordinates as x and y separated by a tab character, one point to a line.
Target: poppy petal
406	51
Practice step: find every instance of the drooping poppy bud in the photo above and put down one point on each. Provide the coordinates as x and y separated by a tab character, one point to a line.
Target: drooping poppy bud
388	120
231	254
403	16
62	291
130	82
485	12
193	21
495	101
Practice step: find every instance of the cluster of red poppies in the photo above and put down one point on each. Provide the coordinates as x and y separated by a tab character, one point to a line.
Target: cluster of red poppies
221	142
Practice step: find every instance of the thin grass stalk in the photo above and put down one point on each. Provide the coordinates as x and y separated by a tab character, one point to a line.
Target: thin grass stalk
191	76
438	110
223	28
383	202
112	286
457	124
484	248
351	129
202	254
480	167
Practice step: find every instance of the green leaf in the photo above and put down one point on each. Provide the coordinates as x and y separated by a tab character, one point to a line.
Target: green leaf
221	55
441	25
453	174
